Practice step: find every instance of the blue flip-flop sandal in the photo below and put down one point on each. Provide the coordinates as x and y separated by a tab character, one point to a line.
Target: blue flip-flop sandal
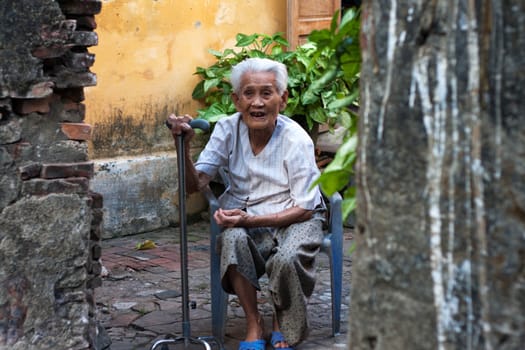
252	345
278	337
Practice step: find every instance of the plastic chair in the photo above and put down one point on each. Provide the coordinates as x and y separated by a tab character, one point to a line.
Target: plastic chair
332	246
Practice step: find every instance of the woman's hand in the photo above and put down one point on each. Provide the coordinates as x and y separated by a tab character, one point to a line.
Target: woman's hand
181	125
230	217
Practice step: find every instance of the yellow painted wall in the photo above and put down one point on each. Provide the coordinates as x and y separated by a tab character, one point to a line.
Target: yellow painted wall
147	53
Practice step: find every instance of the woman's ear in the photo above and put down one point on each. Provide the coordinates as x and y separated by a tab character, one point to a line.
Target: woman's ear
235	99
284	100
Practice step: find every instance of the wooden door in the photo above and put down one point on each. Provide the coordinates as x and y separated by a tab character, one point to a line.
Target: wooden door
307	15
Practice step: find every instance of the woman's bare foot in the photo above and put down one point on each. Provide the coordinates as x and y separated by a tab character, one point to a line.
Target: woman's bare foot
255	328
279	344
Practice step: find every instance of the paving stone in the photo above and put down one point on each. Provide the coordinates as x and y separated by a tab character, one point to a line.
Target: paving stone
168	294
123	319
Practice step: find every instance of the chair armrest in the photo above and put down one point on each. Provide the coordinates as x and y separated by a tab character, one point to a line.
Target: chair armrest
211	198
335	220
213	203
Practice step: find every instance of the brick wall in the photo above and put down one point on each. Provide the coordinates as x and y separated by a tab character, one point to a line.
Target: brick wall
50	221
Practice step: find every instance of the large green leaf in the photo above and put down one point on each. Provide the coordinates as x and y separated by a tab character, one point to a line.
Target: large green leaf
337	174
245	40
198	91
211	83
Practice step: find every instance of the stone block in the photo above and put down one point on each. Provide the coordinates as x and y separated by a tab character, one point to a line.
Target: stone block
84	38
70	151
21	151
79	60
59	32
30	171
9	179
37	90
135	203
42	187
51	51
82	182
67	78
77	131
53	171
10	131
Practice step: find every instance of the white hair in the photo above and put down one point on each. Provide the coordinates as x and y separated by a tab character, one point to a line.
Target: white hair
258	65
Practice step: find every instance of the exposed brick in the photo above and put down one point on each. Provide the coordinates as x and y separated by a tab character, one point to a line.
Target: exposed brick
67	78
28	106
81	7
51	51
38	90
80	61
83	182
97	200
85	22
30	171
77	131
41	187
64	170
84	38
71	94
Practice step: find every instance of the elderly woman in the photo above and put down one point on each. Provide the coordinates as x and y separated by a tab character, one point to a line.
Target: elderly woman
271	214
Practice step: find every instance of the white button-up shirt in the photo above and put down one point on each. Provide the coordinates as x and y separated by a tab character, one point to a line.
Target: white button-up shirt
278	178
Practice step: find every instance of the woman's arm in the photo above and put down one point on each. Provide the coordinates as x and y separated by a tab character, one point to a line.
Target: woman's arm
195	181
239	218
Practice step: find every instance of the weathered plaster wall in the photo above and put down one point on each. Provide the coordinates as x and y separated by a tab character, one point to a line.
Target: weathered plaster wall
146	56
145	60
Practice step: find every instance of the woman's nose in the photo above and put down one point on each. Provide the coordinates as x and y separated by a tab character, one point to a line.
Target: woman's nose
257	101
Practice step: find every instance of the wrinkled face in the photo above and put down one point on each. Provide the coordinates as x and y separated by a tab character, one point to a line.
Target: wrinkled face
258	100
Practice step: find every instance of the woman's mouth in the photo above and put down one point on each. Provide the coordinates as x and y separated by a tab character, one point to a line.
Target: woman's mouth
257	114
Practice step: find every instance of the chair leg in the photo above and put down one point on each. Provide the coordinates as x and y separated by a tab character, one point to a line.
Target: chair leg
219	299
336	267
219	308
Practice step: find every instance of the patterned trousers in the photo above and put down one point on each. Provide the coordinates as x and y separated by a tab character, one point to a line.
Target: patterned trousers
287	256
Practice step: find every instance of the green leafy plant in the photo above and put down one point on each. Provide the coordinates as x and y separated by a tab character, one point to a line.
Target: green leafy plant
342	41
319	90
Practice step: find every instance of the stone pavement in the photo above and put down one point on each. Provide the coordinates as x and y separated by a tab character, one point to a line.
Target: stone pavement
139	301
